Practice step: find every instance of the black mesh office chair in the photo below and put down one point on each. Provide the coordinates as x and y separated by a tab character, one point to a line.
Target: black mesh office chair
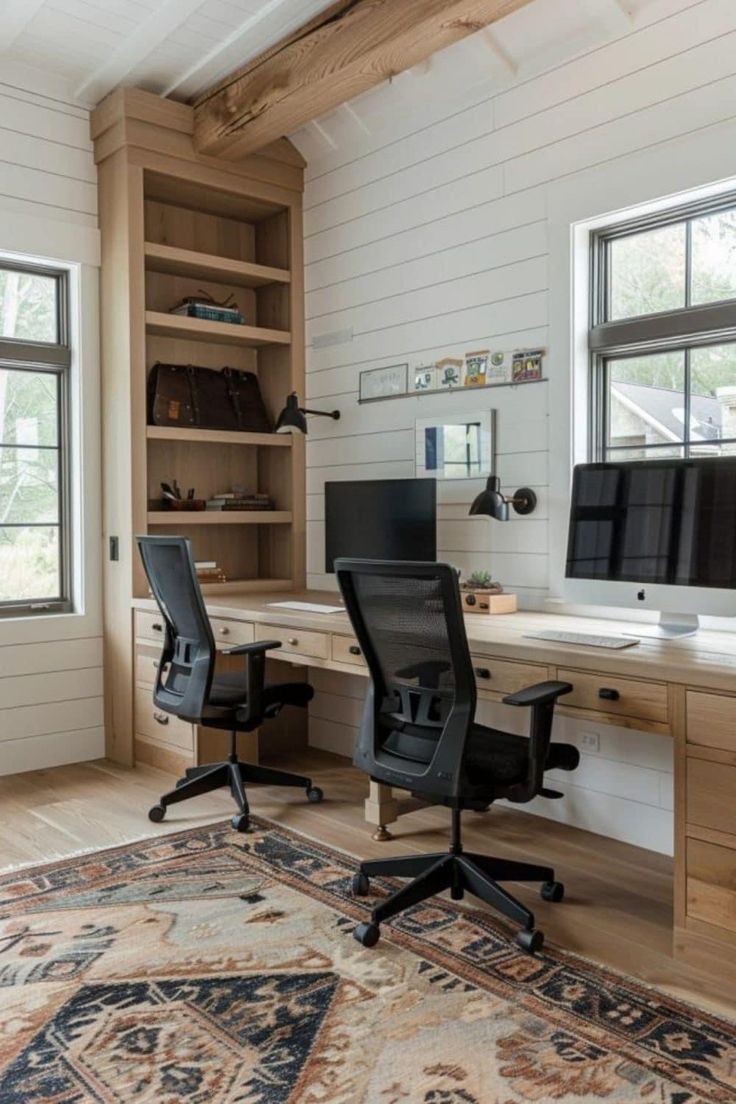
419	733
187	686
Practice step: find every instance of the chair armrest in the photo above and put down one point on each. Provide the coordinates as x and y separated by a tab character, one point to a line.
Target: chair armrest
542	693
252	649
255	674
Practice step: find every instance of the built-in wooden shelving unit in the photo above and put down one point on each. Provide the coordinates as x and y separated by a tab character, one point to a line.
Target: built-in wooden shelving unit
186	518
218	437
174	223
215	333
206	266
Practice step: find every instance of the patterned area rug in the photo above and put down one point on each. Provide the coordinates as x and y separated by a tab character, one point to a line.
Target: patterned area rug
210	967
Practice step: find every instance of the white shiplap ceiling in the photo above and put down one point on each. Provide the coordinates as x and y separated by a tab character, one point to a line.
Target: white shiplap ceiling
78	50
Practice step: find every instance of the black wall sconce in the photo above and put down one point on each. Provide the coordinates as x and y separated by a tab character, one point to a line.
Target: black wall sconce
496	505
292	418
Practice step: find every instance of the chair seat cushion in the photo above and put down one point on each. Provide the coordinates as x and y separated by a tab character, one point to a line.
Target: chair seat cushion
493	759
232	690
504	757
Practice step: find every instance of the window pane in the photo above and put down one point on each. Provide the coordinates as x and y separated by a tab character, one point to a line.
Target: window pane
28	310
713	398
29	486
648	272
29	564
28	408
668	452
646	401
714	258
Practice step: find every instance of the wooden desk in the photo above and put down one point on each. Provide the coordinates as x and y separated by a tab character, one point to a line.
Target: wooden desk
684	688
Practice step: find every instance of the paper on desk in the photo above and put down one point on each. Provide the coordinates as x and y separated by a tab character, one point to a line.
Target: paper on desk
306	607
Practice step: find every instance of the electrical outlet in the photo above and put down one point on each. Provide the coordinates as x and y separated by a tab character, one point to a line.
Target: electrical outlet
590	741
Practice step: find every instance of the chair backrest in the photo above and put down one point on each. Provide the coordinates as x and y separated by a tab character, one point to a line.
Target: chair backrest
409	624
187	663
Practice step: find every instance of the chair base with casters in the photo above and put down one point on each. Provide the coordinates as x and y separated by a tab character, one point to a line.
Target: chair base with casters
237	775
460	872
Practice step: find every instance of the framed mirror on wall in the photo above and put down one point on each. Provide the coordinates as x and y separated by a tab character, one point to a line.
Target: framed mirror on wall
455	446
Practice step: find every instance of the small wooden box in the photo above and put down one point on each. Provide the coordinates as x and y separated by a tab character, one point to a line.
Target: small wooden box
487	601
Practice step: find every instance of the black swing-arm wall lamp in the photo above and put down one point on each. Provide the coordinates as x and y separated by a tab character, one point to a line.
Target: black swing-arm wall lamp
292	418
496	505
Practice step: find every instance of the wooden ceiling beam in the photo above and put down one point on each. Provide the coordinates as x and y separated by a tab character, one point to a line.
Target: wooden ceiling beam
349	48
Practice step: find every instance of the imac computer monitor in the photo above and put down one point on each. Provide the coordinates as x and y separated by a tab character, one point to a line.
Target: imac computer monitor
381	519
655	534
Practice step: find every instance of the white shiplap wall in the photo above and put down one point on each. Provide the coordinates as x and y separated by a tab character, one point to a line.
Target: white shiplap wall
51	668
434	242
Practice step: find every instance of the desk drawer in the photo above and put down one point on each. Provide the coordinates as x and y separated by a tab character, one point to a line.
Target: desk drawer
503	676
228	634
711	720
711	795
711	883
295	641
162	727
345	649
147	658
611	694
149	626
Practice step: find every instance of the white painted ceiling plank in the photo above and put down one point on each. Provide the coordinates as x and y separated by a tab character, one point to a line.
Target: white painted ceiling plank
15	15
148	35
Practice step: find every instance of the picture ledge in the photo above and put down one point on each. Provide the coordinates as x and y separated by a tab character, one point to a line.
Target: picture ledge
452	390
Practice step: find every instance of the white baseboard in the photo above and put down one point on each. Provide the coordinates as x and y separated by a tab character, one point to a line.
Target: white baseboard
51	750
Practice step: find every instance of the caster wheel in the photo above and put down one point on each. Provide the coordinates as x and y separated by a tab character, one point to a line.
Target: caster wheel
156	813
530	941
314	795
552	891
240	822
367	934
360	885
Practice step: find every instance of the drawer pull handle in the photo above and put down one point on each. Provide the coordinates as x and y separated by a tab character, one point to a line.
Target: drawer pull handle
608	694
293	641
161	718
157	626
354	650
224	630
482	672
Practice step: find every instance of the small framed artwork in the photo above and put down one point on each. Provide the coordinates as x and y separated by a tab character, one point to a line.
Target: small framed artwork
383	383
527	365
499	368
450	372
476	368
425	378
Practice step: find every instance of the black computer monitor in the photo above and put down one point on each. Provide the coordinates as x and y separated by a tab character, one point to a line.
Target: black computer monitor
381	519
661	522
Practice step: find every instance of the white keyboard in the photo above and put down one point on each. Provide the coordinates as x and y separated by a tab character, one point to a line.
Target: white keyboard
588	640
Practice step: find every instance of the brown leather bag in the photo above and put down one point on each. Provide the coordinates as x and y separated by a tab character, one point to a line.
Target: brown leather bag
186	395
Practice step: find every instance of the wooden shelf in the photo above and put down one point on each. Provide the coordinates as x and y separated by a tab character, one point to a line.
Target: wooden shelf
245	586
219	517
218	333
206	266
218	437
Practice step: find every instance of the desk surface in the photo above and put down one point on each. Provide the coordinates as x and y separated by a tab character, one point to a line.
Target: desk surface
707	659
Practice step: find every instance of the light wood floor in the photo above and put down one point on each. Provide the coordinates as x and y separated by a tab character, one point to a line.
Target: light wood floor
617	909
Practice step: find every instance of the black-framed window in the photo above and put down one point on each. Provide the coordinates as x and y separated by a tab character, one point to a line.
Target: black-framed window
663	335
35	362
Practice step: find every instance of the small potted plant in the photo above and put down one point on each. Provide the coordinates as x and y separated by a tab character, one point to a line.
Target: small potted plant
480	594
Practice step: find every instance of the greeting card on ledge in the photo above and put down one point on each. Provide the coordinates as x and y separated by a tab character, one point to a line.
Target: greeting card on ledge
450	372
499	368
425	378
527	365
476	368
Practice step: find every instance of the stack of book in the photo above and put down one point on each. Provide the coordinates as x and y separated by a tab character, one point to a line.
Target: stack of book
193	307
240	501
209	572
